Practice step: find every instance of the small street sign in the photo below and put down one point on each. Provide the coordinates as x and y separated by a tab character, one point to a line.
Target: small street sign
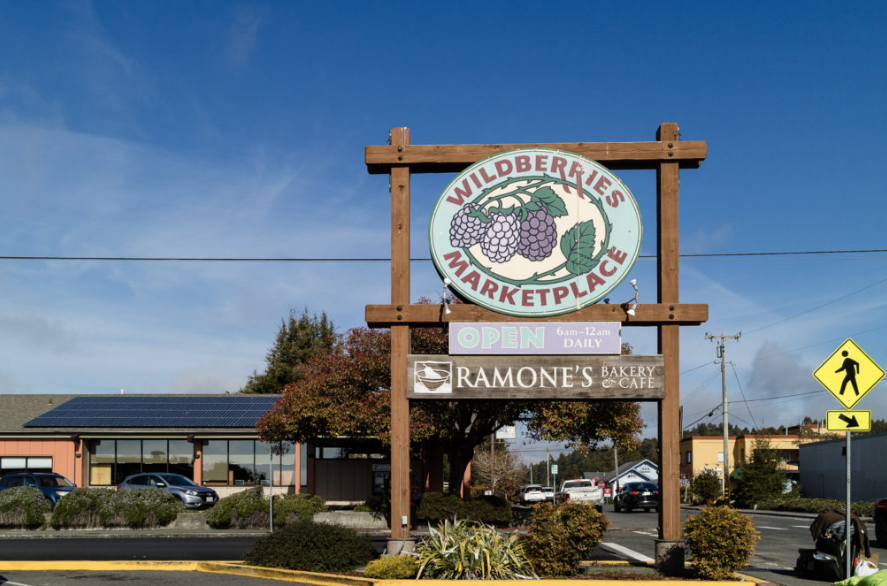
849	373
855	421
554	468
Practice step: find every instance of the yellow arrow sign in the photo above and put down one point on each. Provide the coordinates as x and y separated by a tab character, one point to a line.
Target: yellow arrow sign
855	421
849	373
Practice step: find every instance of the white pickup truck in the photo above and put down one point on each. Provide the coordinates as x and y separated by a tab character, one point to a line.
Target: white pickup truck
583	491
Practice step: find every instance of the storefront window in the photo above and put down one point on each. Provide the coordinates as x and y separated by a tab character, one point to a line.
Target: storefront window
101	462
110	461
181	456
10	464
215	462
153	456
129	459
241	461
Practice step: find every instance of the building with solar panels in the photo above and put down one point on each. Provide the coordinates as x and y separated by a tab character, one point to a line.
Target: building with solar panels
98	440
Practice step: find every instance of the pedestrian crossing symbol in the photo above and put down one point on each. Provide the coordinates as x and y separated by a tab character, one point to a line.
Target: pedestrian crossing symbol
849	374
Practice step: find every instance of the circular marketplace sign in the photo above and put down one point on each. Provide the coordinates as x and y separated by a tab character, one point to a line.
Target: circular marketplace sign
535	232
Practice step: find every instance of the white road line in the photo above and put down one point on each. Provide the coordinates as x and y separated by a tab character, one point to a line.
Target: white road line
801	526
646	533
771	528
625	551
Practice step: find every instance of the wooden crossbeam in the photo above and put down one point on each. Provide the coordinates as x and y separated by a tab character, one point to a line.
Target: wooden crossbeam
381	316
455	157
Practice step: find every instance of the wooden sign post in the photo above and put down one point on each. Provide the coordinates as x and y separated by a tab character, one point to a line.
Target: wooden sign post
666	155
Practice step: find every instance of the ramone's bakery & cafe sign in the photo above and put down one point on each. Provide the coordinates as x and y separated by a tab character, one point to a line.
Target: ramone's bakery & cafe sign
535	233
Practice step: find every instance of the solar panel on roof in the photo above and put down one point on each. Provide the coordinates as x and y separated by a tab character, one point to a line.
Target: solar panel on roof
134	411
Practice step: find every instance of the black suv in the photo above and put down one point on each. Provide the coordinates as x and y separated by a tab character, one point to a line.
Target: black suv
637	495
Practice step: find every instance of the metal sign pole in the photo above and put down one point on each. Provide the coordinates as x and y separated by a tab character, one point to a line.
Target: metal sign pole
849	564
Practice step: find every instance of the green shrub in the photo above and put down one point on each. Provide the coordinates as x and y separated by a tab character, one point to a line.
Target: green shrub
243	510
147	507
294	507
721	541
472	551
562	535
492	510
436	507
80	508
99	507
708	486
311	547
809	505
399	567
22	506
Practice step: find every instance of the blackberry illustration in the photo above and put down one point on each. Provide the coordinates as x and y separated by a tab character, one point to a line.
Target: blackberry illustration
467	228
500	241
538	236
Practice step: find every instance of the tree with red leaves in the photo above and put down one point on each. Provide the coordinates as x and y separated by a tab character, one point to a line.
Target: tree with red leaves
345	392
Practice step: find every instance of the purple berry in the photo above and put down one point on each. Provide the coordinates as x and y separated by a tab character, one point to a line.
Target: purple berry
500	240
538	235
466	229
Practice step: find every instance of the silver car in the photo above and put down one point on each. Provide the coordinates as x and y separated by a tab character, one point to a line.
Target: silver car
192	495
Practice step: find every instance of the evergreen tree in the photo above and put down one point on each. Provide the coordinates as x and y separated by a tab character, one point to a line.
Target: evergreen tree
299	338
761	478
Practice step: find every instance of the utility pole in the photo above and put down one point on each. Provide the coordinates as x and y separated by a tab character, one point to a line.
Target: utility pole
547	468
616	458
722	354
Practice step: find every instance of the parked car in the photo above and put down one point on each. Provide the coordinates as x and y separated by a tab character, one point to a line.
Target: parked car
548	491
53	486
581	490
531	494
637	495
192	495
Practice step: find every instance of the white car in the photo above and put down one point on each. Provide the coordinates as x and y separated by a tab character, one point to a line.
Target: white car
532	494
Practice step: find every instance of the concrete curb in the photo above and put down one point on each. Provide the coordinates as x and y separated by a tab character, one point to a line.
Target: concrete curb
240	569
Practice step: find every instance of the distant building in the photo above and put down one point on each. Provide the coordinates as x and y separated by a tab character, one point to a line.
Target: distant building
824	468
706	453
98	440
634	471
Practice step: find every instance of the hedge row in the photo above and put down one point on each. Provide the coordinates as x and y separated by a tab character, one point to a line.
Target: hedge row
98	507
808	505
250	509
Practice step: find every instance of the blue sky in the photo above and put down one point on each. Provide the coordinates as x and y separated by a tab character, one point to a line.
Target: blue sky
213	129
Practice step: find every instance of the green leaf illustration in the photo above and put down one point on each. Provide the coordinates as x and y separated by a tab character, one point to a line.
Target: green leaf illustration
578	248
551	201
479	213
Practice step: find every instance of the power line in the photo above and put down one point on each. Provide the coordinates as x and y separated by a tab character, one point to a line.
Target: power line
743	395
815	308
388	259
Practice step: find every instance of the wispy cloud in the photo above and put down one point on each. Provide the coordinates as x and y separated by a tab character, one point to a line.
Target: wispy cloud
242	36
703	240
168	327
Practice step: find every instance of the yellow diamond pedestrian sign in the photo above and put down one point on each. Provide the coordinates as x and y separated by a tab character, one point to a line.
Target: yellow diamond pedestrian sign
849	373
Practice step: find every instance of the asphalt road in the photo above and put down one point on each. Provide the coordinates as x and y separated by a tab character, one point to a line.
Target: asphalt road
126	548
781	535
